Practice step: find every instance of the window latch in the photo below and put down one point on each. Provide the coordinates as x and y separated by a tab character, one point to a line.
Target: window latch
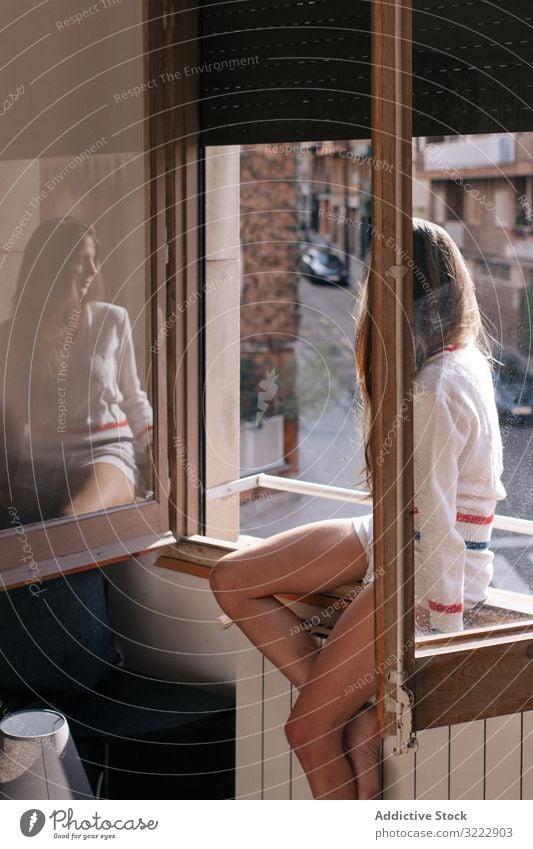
403	707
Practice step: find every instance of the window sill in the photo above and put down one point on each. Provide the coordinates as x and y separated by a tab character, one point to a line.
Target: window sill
488	667
81	561
196	555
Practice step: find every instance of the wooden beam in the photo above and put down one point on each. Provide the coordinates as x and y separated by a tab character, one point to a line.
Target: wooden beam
184	306
392	355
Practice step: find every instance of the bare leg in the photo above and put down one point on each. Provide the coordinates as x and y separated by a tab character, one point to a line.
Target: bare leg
103	486
317	556
313	557
362	740
341	681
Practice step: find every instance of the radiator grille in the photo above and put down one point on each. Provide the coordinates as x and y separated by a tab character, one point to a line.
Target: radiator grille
487	759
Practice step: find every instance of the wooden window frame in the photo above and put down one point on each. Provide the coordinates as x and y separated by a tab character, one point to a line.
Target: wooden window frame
184	223
390	307
432	674
443	680
495	662
62	546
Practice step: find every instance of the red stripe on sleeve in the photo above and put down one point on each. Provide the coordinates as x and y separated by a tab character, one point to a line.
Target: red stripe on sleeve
445	608
474	520
110	425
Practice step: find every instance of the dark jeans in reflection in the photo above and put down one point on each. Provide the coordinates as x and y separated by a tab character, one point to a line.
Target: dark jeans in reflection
55	637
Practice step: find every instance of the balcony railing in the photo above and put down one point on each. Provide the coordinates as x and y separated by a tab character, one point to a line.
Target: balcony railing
336	493
470	152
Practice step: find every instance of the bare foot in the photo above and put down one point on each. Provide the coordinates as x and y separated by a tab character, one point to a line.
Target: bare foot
362	739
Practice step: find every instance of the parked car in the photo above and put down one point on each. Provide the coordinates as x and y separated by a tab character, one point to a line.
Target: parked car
513	376
321	265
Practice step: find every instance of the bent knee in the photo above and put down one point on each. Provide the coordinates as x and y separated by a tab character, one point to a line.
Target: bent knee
296	733
302	732
224	574
311	732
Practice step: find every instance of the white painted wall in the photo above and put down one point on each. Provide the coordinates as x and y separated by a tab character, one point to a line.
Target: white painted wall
166	625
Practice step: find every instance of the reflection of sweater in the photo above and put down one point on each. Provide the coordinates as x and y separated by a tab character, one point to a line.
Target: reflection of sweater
96	394
458	467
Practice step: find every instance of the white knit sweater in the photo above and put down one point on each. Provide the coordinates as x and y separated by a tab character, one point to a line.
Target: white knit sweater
98	384
457	470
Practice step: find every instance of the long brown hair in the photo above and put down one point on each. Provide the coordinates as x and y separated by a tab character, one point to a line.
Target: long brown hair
43	302
445	312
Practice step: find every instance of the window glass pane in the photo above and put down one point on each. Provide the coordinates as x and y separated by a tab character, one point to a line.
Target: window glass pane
478	188
305	228
303	216
74	261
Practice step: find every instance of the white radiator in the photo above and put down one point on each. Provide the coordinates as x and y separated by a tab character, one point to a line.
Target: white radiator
487	759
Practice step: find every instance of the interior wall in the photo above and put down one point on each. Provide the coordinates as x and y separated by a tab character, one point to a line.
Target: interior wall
73	140
166	625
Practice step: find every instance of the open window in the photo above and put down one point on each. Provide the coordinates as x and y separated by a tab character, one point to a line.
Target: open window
251	85
82	310
482	671
152	114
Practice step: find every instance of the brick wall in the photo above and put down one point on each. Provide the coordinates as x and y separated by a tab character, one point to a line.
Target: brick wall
268	232
269	315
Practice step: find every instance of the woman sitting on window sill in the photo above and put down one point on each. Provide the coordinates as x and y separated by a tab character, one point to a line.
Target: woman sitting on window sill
333	727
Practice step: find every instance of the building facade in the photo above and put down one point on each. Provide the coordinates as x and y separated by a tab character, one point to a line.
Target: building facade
481	192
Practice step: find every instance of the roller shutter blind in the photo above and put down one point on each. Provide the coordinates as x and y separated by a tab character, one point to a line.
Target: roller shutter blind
275	71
